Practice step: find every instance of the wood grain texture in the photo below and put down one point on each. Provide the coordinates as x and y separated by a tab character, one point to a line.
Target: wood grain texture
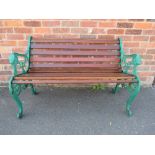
75	53
80	74
73	81
54	65
90	41
74	59
73	76
74	70
68	46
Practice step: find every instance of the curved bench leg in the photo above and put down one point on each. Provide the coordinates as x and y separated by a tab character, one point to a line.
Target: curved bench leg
133	94
19	105
15	90
33	90
116	89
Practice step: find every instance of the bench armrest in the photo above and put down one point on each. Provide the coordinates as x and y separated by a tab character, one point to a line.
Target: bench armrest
130	63
19	63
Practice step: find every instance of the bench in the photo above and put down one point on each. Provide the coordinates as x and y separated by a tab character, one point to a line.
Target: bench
74	61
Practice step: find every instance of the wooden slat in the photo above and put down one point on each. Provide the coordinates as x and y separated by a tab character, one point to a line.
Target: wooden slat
89	74
72	81
74	76
62	46
75	70
57	70
73	59
71	78
75	65
95	41
80	53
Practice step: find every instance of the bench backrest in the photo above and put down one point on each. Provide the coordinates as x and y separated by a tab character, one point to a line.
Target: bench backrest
75	55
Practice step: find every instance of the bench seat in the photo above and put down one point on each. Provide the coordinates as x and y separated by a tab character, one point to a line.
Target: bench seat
73	78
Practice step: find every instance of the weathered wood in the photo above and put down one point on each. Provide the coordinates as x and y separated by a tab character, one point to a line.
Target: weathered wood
77	53
75	70
93	41
115	66
74	78
73	81
62	46
74	59
82	74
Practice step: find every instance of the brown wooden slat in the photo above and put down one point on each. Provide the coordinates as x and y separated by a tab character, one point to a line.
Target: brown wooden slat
62	46
73	59
82	53
75	70
72	81
36	70
95	41
71	78
74	76
87	74
75	65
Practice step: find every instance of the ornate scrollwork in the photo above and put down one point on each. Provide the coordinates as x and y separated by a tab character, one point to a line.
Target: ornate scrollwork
130	63
19	63
16	89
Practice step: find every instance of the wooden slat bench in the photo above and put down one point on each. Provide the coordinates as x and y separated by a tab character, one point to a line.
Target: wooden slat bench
74	61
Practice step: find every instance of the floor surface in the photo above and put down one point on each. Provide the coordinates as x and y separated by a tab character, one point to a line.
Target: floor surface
77	111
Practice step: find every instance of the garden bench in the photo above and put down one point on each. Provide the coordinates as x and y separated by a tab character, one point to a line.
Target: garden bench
74	61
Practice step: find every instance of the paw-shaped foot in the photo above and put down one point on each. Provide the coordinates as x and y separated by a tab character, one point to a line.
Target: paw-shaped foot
129	112
19	115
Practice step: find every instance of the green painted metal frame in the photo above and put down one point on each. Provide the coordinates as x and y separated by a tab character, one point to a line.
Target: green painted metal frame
129	65
23	65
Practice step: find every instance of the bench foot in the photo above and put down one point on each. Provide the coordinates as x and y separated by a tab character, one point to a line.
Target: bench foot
19	105
133	89
129	112
33	90
15	90
19	115
116	89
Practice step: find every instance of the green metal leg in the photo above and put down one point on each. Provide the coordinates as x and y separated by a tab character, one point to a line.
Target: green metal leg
116	89
19	105
133	95
15	90
33	90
